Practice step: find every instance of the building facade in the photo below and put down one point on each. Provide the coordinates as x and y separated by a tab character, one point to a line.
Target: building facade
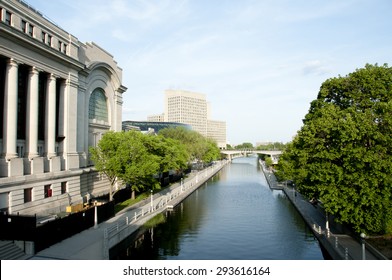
192	108
58	96
217	130
156	118
186	107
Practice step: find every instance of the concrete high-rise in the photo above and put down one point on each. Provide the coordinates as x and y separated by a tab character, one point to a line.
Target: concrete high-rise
193	109
187	107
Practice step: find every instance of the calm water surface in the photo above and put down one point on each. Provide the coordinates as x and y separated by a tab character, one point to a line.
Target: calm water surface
233	216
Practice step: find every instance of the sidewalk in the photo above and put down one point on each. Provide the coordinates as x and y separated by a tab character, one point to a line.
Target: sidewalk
337	243
95	242
331	236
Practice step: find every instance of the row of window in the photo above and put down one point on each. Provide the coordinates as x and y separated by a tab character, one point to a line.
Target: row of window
29	29
48	192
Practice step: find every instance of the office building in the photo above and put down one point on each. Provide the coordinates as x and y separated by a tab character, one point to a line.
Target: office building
193	109
186	107
217	130
156	118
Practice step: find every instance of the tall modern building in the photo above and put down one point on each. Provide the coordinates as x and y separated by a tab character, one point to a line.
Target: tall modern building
58	96
186	107
217	130
192	108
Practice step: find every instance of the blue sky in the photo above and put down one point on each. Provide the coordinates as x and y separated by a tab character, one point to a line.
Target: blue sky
260	63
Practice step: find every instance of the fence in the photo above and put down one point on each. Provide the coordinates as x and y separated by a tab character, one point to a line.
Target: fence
17	227
326	237
115	233
23	227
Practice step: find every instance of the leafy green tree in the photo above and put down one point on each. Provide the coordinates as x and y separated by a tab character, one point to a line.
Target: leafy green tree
106	160
245	146
198	147
268	161
276	146
172	153
343	153
211	151
124	157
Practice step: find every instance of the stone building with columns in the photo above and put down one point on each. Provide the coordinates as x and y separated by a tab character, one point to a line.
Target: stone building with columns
57	97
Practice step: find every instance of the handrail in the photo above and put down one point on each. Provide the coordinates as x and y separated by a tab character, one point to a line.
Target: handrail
184	188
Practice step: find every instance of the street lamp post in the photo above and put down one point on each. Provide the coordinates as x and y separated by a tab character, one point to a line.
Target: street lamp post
363	236
294	193
327	224
152	202
95	215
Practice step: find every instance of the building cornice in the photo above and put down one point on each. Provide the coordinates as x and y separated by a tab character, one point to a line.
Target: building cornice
21	39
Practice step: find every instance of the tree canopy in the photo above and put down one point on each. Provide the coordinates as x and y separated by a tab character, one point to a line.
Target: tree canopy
342	153
199	148
244	146
134	158
140	159
276	146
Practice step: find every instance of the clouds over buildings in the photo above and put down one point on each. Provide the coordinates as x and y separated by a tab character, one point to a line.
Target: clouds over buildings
255	60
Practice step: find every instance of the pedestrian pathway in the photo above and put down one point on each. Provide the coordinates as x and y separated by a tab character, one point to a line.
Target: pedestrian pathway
95	242
331	236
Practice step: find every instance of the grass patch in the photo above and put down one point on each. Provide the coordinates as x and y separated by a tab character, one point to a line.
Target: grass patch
129	202
158	219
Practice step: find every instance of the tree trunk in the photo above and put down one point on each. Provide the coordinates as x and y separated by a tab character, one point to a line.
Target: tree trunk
133	196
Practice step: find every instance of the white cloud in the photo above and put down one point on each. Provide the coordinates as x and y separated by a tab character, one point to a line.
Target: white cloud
267	58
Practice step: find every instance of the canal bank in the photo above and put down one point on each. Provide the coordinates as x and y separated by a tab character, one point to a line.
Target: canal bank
235	216
332	237
95	243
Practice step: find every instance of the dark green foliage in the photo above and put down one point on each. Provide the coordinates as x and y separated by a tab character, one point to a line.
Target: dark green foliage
140	160
342	154
199	148
134	158
244	146
276	146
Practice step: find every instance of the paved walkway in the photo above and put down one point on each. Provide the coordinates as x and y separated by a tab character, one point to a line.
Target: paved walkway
94	243
333	237
336	240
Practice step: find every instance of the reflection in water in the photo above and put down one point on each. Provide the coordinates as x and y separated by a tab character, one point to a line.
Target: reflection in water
234	216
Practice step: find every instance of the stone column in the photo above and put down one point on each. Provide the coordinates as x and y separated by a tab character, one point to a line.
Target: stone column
50	118
32	115
62	119
10	110
71	122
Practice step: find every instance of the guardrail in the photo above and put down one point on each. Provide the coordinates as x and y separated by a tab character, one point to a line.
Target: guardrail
159	202
339	248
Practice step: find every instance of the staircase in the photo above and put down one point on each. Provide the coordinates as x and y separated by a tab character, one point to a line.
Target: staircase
10	251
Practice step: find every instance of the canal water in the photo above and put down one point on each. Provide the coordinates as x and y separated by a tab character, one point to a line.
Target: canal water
235	215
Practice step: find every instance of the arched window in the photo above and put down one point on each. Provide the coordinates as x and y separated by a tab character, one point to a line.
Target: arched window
98	108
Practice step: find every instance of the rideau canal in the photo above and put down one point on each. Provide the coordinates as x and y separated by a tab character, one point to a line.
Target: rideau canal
235	215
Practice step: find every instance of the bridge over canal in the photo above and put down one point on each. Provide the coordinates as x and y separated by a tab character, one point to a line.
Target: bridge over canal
232	154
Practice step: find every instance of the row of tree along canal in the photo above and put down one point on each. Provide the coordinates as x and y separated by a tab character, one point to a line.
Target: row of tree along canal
235	215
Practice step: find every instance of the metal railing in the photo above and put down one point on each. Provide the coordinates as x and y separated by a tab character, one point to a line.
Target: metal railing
334	240
157	205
